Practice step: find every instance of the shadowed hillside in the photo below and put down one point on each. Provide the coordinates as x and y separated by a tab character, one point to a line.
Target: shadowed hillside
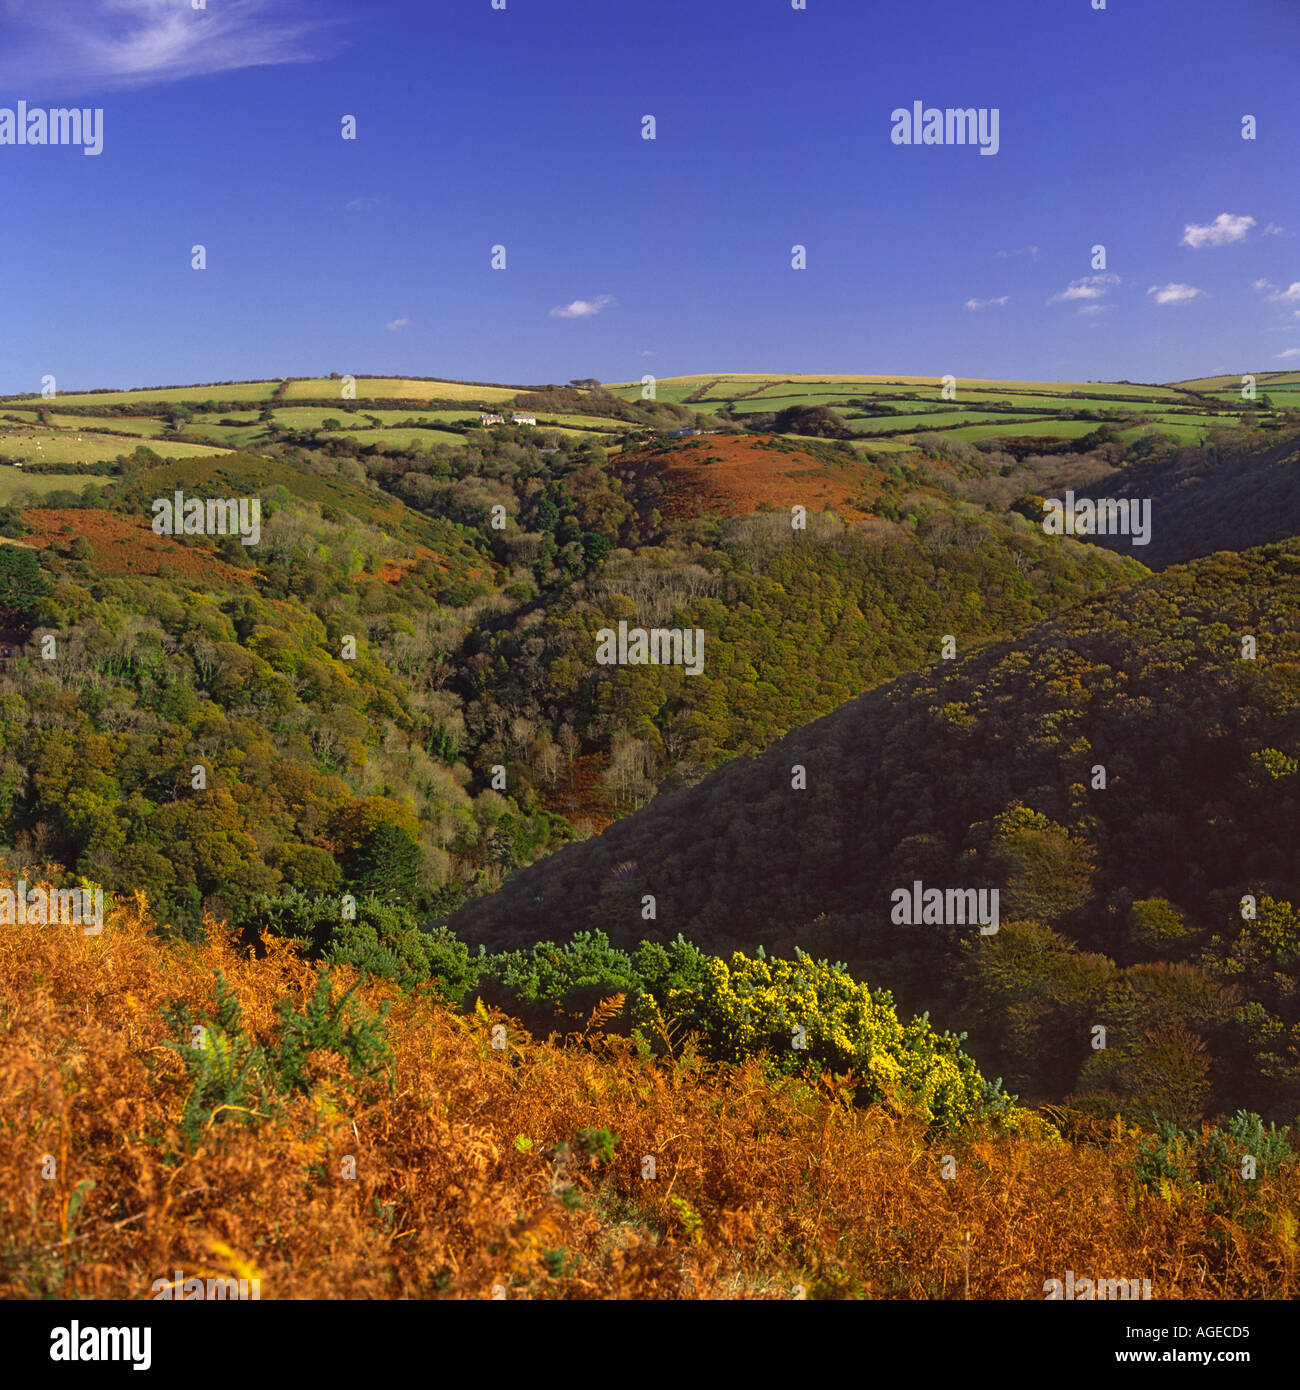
1220	497
984	772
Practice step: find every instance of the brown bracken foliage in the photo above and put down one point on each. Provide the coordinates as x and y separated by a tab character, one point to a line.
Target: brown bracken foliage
477	1173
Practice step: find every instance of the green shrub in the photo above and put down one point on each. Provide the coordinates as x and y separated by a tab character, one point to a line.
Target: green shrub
234	1075
380	940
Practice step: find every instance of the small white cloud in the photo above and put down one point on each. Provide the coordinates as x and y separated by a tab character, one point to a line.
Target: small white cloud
1274	230
1223	231
583	308
1290	352
1175	294
1031	251
1261	285
361	205
397	325
1090	287
986	303
1092	309
647	352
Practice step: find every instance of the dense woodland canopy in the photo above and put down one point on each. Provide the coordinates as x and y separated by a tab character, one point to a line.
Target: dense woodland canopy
473	655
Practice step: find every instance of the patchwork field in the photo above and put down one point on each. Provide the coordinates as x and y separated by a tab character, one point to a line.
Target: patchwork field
984	408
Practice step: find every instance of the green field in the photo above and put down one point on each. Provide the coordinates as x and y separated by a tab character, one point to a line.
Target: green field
63	446
1046	429
1022	400
1183	432
312	417
354	418
15	481
585	422
89	424
228	436
884	424
1191	417
404	438
1285	397
789	396
673	390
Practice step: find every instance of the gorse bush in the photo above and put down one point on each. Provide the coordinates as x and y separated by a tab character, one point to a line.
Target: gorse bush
325	1024
234	1075
1209	1165
227	1070
807	1014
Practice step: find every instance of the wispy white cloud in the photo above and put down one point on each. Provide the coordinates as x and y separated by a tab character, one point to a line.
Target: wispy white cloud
396	325
1275	293
583	308
986	303
1093	309
1274	230
1223	231
1091	287
360	204
1175	294
1290	352
1031	251
112	44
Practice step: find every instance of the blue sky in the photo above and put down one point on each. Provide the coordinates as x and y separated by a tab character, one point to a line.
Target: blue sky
625	256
